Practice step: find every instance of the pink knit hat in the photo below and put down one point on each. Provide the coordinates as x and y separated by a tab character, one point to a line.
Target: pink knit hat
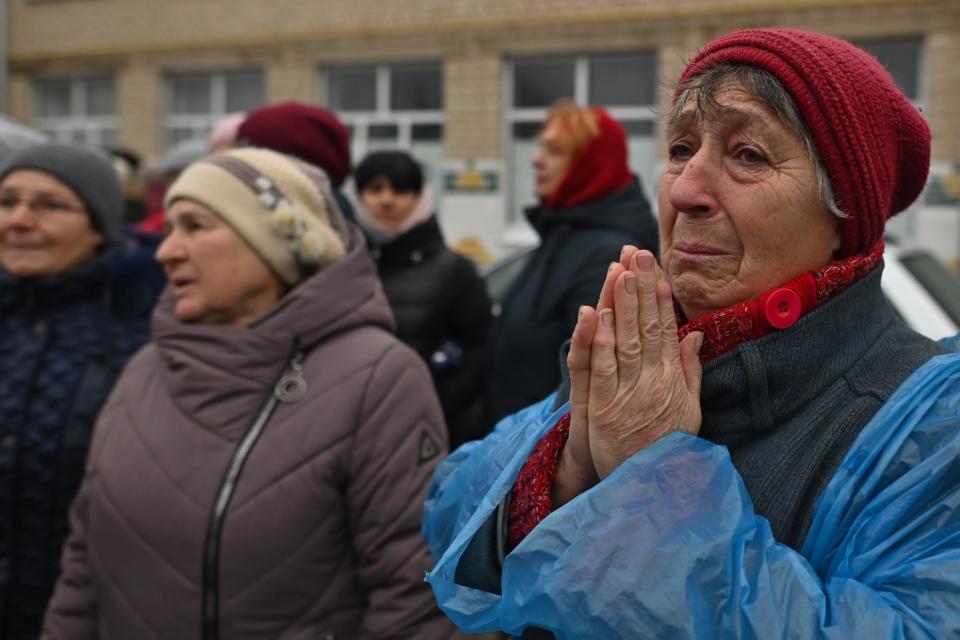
225	130
873	142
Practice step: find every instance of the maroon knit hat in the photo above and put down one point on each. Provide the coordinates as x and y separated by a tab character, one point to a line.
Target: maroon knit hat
874	144
310	133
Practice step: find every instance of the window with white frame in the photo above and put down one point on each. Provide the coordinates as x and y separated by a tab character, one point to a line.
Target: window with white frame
625	84
76	110
391	106
196	100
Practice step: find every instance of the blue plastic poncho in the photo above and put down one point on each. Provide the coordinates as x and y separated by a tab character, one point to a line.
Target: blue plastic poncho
668	546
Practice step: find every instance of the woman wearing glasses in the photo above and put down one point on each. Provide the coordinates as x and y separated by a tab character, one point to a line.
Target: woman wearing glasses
73	309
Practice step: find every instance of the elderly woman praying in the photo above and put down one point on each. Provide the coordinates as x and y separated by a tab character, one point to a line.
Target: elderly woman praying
787	463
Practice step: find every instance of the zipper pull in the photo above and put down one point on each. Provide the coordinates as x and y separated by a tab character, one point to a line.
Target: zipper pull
292	386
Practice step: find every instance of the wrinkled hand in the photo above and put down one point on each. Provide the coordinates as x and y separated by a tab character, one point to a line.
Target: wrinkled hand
632	382
644	383
575	471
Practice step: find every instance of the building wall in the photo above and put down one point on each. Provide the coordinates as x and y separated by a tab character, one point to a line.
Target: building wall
138	41
137	38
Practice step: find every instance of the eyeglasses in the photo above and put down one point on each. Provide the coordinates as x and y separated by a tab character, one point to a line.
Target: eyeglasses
39	207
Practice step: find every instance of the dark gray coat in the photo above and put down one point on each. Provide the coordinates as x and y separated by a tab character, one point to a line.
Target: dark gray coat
567	270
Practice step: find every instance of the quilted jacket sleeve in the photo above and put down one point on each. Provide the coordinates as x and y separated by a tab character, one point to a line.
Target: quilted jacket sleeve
72	612
398	443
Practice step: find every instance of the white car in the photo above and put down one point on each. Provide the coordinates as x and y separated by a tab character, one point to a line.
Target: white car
920	288
923	292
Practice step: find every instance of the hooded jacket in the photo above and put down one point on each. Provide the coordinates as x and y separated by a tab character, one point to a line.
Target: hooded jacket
63	342
565	272
321	537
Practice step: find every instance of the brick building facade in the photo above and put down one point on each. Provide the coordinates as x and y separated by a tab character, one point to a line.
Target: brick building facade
462	84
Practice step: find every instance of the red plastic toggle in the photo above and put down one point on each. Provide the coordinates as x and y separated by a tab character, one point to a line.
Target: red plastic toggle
782	308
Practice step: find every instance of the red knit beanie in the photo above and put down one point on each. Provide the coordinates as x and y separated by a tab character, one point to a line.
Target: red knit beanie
874	144
310	133
599	170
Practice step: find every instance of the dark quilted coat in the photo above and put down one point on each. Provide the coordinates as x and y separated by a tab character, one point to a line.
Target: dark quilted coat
63	342
322	536
567	270
437	297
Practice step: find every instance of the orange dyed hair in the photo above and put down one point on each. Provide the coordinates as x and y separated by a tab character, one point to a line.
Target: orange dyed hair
575	125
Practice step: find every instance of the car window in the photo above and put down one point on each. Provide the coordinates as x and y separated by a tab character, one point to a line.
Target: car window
942	285
913	301
500	276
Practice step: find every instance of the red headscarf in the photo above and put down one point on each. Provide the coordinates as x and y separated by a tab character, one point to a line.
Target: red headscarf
597	171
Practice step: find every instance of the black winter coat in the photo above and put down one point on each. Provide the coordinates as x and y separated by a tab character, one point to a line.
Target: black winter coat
63	342
443	313
566	271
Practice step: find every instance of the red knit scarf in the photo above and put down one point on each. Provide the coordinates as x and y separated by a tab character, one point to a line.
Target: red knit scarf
728	328
723	331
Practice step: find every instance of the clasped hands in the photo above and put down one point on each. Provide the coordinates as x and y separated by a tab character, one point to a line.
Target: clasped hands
632	381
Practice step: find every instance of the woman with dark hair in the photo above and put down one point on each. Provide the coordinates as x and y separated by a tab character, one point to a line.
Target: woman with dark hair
755	444
437	297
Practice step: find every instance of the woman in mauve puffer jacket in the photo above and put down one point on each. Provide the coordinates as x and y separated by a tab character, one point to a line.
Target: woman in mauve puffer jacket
205	515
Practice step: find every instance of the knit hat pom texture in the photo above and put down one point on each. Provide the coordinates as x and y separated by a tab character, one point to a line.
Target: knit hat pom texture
281	206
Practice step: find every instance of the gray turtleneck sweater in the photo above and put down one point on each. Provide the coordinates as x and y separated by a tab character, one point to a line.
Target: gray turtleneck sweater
788	406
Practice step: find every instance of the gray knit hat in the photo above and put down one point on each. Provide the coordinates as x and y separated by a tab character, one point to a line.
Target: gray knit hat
87	171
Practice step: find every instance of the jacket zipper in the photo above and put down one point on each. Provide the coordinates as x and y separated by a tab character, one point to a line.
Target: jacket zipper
211	548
